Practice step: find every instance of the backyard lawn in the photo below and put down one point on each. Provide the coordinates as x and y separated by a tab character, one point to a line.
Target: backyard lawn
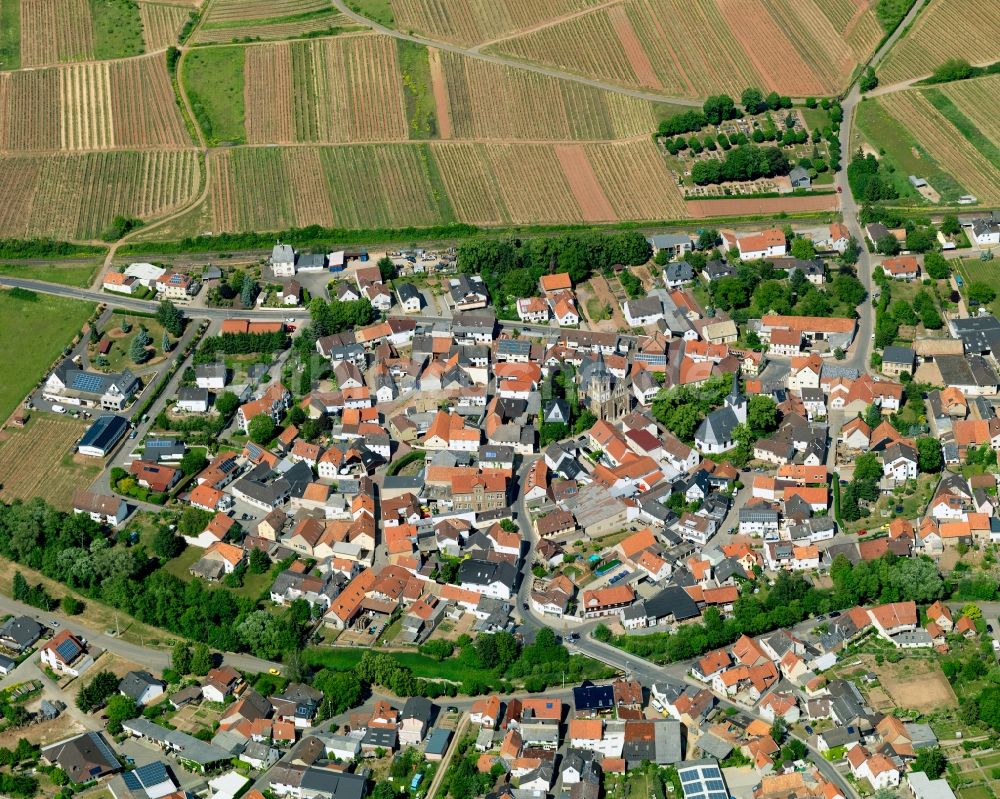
975	271
21	320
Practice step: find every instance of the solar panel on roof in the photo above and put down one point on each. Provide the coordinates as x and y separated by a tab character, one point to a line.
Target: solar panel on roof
84	381
67	650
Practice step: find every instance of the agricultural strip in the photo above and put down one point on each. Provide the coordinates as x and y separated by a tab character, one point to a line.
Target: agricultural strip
583	183
117	28
487	101
945	143
439	89
20	321
213	79
77	196
968	29
762	206
978	100
161	24
700	47
345	89
94	106
39	461
55	31
966	127
414	66
29	114
362	186
10	34
326	23
470	22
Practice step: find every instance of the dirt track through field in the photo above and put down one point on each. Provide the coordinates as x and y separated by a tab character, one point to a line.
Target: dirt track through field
440	90
584	183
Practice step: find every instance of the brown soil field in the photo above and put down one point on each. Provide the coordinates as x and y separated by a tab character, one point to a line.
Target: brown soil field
762	205
917	684
583	183
440	91
39	461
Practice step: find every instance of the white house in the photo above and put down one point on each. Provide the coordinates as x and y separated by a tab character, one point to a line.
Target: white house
283	260
766	244
66	654
102	508
985	232
900	461
642	312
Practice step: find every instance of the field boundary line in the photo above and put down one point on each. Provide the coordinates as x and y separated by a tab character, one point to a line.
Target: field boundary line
549	23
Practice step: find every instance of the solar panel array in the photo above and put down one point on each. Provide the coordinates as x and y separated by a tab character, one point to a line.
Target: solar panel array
68	650
703	781
87	381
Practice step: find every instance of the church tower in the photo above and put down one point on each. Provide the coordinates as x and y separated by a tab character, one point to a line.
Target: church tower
736	400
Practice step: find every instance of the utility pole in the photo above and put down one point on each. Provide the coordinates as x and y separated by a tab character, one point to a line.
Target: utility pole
118	632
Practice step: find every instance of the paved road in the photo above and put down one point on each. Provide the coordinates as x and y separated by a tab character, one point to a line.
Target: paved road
148	657
147	306
859	355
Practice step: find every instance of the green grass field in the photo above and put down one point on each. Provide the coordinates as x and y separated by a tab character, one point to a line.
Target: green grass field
416	75
378	10
975	271
213	79
902	154
10	34
975	792
32	335
118	357
67	273
117	29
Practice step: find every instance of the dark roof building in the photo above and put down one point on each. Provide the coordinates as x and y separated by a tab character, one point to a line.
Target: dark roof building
85	757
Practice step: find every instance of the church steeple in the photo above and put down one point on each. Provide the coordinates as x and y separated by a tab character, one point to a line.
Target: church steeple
736	400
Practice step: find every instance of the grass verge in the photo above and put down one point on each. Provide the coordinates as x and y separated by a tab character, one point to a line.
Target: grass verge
415	70
213	80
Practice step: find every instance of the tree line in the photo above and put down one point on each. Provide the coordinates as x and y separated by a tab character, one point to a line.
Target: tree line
791	600
75	551
511	267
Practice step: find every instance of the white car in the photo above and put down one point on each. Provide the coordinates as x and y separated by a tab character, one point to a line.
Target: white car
289	319
58	409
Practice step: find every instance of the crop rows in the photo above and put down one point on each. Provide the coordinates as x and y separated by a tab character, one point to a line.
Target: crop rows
268	94
968	29
472	21
636	180
472	186
815	40
55	31
95	106
77	196
272	30
18	176
346	89
945	144
87	119
355	186
28	115
239	10
979	100
161	24
587	45
700	47
761	38
487	101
